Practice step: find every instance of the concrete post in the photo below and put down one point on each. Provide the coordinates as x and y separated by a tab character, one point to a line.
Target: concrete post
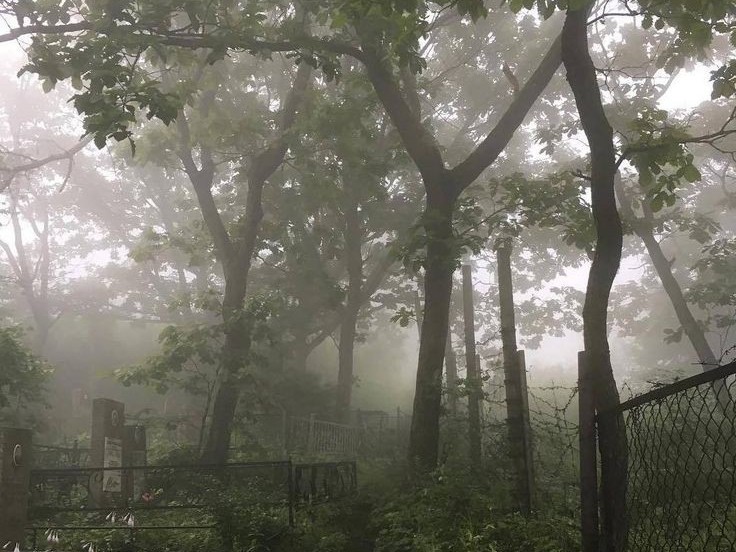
134	454
108	418
527	426
15	478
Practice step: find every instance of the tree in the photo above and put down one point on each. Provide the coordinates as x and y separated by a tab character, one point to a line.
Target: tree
110	109
582	78
22	380
443	187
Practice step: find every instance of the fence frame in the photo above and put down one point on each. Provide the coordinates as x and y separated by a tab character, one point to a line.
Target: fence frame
593	535
293	498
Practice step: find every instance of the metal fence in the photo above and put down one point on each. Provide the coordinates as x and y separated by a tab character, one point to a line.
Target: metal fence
681	484
312	436
47	456
174	497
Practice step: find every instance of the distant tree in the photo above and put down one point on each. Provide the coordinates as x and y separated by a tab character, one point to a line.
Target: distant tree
22	379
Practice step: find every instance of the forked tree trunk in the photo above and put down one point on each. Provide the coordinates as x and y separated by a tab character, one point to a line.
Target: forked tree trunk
442	186
235	254
612	438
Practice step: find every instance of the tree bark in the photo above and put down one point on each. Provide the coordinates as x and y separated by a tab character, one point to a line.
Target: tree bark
442	186
424	436
515	400
472	366
235	254
612	438
354	259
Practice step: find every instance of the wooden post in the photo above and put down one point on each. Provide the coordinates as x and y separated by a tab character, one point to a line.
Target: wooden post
15	473
108	418
473	375
589	522
527	427
517	401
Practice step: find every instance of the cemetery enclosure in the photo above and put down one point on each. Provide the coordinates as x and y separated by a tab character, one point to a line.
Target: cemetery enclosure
117	492
680	482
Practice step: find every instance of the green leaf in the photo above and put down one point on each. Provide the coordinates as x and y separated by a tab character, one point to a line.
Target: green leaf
691	173
516	5
657	203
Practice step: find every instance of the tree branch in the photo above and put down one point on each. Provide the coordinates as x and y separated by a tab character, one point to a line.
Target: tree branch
38	163
488	150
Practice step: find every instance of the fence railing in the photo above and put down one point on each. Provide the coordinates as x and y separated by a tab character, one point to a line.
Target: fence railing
175	497
681	478
312	436
47	456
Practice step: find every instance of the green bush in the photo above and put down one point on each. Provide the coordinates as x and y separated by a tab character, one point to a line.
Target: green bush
458	514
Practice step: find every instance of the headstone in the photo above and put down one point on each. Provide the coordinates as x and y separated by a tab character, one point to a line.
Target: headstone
134	455
15	472
108	418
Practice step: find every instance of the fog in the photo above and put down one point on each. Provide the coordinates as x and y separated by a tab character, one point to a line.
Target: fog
239	217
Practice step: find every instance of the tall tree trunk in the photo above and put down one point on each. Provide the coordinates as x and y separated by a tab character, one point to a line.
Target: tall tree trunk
515	400
612	438
354	259
424	437
472	367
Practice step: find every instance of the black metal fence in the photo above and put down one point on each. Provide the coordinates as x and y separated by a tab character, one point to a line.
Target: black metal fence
47	456
175	497
681	484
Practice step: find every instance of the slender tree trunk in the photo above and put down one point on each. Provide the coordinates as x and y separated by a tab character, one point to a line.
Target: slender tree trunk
234	357
644	228
472	367
354	258
512	368
424	437
451	374
612	438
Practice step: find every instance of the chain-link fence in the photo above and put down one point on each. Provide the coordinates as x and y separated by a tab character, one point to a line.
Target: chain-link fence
681	487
